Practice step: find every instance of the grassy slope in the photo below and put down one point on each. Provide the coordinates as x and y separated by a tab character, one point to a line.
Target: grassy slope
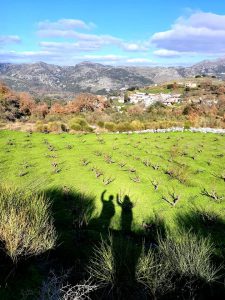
155	147
161	89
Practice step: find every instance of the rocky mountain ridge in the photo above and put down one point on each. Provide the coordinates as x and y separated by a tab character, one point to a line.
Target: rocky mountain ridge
91	77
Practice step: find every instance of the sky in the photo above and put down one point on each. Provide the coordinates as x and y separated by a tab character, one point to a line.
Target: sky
114	32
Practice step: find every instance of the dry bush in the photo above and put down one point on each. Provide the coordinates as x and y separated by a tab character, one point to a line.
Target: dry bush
55	287
181	173
186	261
102	264
26	227
110	126
54	126
76	127
190	256
154	273
137	125
79	124
135	110
124	126
40	126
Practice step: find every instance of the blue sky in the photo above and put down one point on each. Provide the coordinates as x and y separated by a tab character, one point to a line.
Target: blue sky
125	32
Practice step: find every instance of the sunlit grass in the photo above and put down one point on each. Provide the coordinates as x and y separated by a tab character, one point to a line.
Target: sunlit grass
182	164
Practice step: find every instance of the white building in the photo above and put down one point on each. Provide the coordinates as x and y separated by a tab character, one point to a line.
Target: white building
191	85
149	99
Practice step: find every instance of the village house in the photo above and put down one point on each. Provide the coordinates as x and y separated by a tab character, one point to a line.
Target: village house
191	85
149	99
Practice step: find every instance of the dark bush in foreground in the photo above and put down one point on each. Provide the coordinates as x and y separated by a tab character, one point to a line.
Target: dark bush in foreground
185	261
26	227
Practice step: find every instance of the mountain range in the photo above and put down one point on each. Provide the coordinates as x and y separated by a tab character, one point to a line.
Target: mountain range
96	78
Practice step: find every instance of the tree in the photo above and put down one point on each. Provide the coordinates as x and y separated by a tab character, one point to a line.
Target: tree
87	102
26	103
126	97
135	110
57	108
9	104
41	110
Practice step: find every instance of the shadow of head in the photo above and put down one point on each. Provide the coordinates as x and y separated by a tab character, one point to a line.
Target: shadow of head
126	204
111	198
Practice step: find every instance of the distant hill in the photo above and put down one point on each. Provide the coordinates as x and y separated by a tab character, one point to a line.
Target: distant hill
209	67
96	78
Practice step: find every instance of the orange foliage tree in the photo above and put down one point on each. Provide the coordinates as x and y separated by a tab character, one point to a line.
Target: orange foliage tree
135	110
57	108
86	102
26	103
41	110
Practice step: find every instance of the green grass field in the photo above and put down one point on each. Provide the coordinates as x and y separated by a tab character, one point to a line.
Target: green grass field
111	186
163	89
183	164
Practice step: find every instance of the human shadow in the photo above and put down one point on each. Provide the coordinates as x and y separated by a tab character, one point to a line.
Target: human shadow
126	252
124	246
102	223
126	213
79	233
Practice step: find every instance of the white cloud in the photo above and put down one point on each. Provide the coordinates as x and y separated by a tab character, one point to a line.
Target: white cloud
118	59
68	47
68	29
28	56
139	60
202	33
66	58
8	39
134	47
167	53
109	57
64	24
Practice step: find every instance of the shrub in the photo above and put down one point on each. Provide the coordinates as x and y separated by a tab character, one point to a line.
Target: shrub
80	124
102	265
64	127
135	110
190	256
54	126
101	124
124	126
186	259
137	125
81	121
187	125
88	128
154	273
2	124
150	125
179	172
110	126
76	127
26	227
41	127
55	287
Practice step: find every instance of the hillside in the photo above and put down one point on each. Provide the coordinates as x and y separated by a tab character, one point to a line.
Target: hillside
83	77
96	78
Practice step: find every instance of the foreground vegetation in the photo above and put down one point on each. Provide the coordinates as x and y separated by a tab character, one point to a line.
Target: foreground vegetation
111	215
203	106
